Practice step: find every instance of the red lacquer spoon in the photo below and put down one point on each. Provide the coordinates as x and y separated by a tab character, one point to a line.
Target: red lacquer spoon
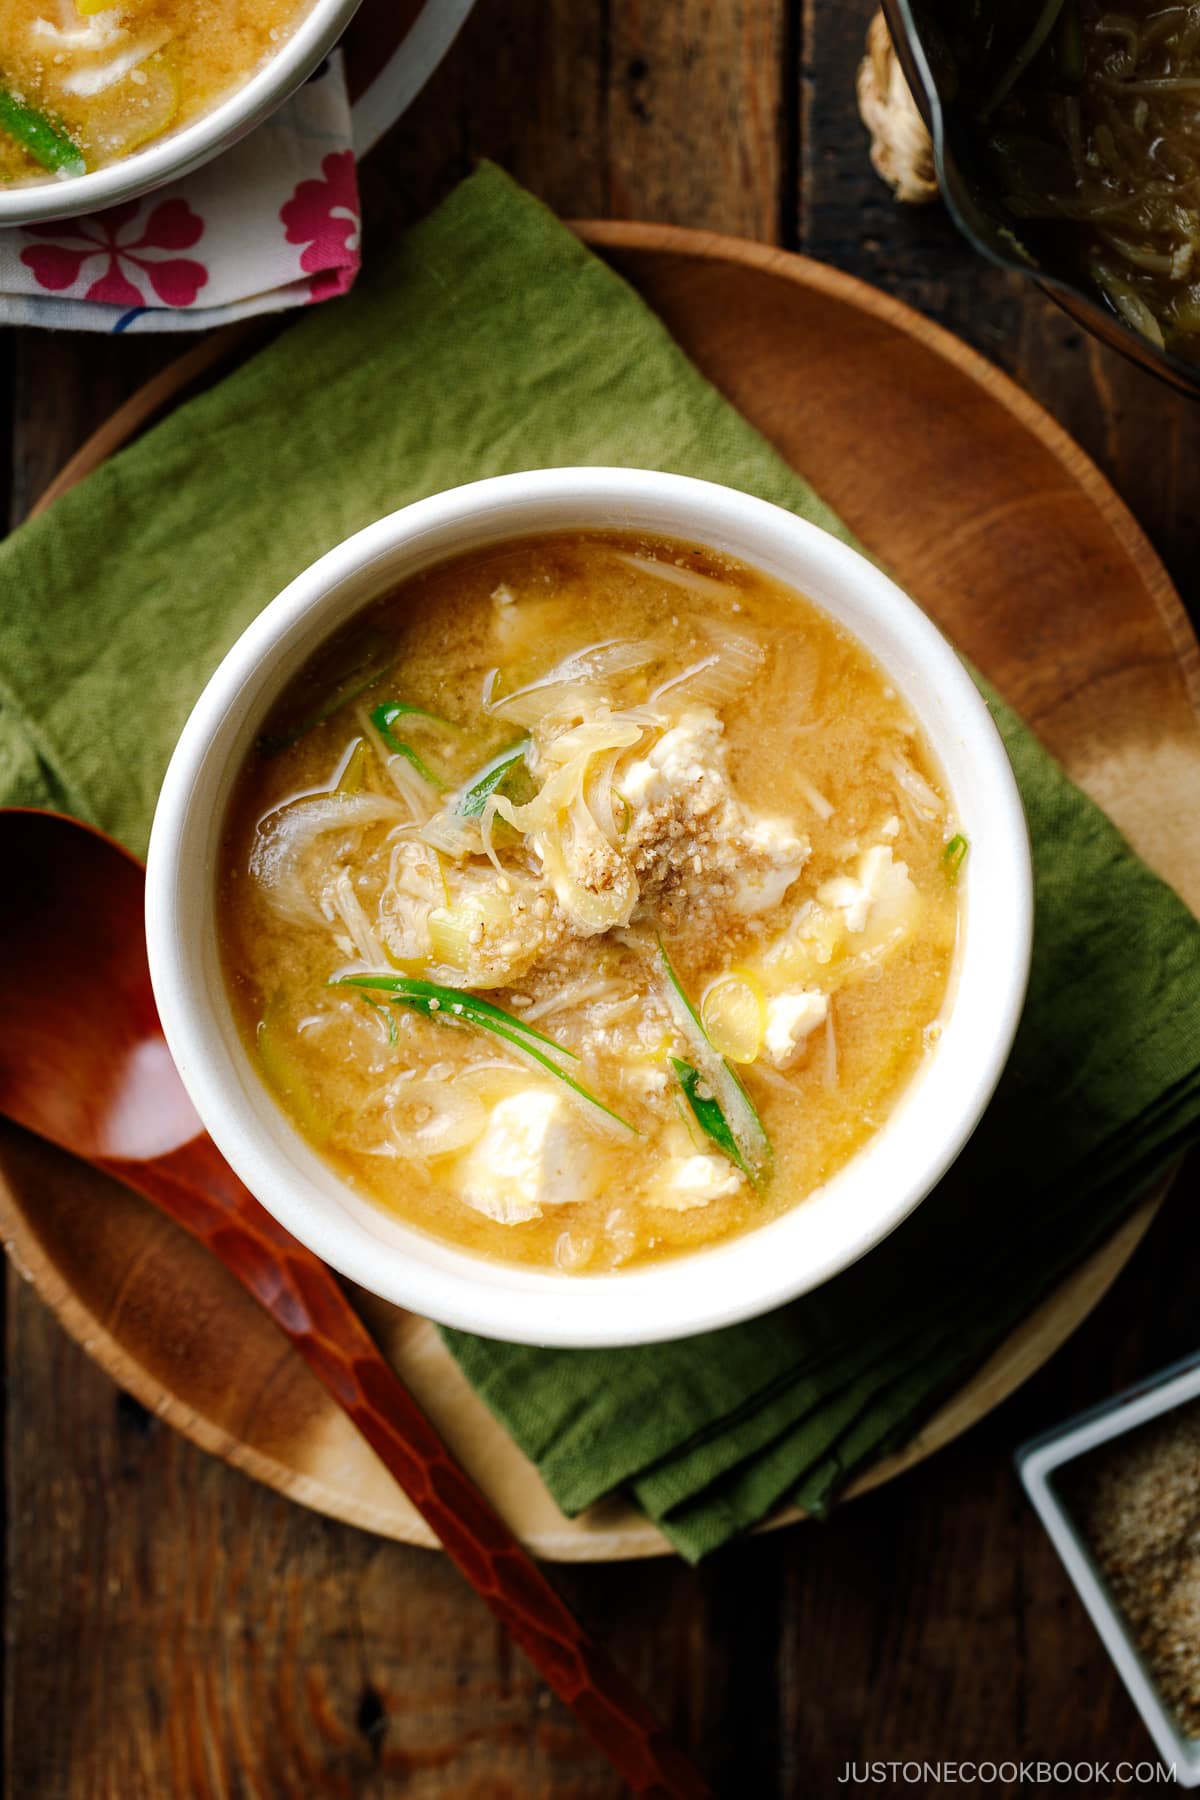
83	1063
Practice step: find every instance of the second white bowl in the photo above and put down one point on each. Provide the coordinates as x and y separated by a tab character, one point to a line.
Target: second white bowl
177	153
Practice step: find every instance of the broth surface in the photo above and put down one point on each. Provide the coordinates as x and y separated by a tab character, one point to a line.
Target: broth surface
694	772
84	85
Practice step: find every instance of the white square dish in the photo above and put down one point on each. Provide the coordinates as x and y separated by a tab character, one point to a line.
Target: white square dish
1039	1463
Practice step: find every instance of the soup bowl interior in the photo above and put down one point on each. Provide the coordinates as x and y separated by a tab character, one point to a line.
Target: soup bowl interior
178	153
730	1280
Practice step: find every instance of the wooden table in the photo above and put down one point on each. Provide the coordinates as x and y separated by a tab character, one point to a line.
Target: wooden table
173	1632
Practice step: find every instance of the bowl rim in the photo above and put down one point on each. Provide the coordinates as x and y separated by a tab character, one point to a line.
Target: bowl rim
180	153
720	1284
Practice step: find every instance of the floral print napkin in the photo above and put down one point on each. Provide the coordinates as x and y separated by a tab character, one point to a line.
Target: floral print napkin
273	223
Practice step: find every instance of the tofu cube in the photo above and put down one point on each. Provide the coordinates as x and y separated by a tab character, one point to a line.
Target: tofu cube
772	860
692	1181
532	1153
790	1018
880	893
687	759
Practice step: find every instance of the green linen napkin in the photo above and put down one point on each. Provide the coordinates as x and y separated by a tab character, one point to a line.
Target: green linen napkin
490	341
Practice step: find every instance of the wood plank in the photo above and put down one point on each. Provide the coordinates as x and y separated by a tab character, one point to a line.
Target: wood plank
64	385
695	114
525	84
662	113
182	1633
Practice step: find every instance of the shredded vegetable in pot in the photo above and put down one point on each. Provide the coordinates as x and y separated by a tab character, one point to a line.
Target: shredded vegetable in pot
1090	114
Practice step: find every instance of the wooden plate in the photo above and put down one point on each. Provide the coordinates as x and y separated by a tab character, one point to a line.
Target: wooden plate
1009	536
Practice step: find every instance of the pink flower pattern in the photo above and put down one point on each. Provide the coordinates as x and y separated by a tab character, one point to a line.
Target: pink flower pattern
274	224
171	226
325	216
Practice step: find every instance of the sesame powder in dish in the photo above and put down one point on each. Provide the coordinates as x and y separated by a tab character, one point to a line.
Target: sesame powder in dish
1136	1503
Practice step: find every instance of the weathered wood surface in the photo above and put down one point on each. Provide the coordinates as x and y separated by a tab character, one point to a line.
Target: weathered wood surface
173	1630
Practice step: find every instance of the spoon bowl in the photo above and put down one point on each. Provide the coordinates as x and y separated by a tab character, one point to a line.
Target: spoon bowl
83	1061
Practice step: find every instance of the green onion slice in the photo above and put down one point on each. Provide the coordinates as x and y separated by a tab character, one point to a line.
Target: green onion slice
954	856
405	709
729	1097
489	779
46	142
707	1113
415	987
383	717
451	1006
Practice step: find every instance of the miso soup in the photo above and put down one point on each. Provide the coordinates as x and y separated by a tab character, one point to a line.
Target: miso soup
589	899
83	84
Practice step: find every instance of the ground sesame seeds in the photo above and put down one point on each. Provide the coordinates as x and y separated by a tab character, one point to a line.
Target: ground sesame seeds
1136	1502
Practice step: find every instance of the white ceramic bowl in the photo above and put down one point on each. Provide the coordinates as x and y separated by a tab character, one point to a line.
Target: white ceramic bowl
179	152
712	1287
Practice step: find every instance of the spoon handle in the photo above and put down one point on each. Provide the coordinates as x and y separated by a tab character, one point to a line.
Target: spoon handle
196	1187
